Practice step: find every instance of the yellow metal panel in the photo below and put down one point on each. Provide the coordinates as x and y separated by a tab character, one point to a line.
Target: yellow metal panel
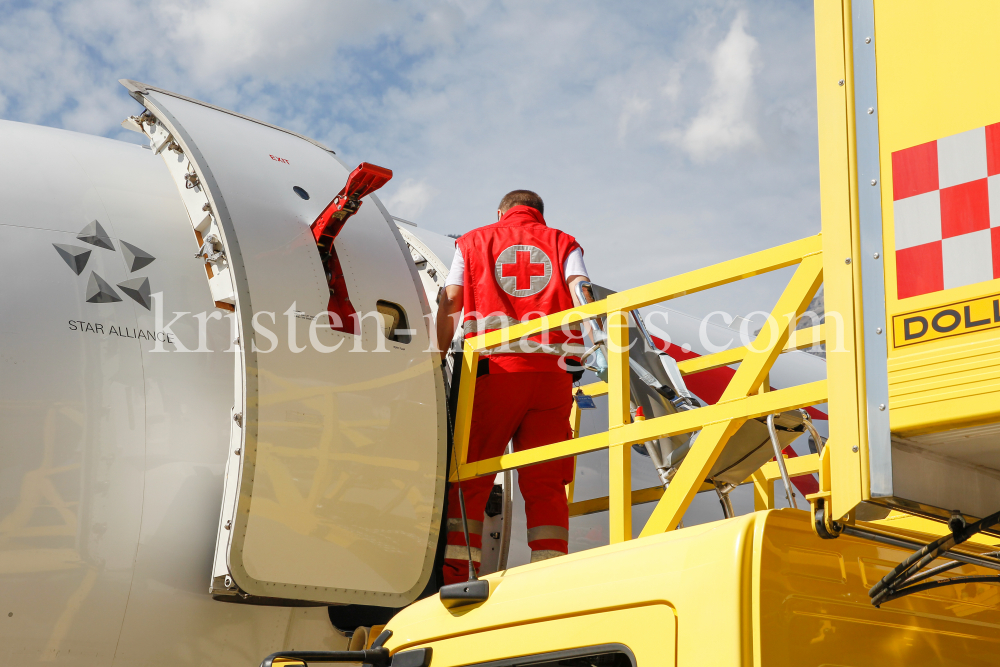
811	605
936	65
834	94
961	380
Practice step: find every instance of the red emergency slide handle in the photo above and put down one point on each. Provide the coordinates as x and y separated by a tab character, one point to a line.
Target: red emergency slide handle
363	181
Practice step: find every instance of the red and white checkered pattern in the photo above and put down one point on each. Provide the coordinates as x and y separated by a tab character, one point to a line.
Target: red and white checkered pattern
946	203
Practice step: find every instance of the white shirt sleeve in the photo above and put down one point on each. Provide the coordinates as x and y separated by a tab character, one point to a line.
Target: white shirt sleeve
573	266
456	274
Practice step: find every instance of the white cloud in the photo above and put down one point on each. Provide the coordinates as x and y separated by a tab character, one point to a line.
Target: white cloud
725	120
410	199
468	99
634	108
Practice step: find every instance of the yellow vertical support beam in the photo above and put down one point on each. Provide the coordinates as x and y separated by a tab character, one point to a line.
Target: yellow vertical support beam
620	493
841	268
618	374
763	492
571	487
466	392
574	423
619	414
574	419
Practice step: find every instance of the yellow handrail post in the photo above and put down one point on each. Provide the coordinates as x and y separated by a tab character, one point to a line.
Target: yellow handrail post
466	393
619	401
619	414
574	424
763	492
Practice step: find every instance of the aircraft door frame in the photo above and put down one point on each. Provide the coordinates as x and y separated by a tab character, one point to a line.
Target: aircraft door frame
335	481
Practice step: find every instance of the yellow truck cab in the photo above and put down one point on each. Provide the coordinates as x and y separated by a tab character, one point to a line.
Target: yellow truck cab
759	589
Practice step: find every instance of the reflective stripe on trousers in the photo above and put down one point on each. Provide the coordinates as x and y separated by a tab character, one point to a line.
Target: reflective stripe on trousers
456	550
545	554
461	553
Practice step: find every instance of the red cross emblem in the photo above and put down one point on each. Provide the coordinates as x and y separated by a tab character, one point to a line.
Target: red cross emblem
523	270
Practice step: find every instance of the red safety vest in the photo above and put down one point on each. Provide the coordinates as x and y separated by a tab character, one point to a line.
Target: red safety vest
514	273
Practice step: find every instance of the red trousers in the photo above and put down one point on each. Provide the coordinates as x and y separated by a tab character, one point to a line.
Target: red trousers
533	410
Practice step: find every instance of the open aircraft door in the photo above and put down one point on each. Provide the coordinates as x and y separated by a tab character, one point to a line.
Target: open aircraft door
335	480
909	125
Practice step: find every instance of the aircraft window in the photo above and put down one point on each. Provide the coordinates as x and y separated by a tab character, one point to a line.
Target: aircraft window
394	325
608	655
301	192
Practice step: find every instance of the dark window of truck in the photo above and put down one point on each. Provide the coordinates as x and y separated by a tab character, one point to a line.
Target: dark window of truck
606	655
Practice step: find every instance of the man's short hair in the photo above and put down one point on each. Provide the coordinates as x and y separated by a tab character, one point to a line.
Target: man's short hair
521	198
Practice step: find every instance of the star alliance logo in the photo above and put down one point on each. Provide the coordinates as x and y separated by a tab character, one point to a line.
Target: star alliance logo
98	289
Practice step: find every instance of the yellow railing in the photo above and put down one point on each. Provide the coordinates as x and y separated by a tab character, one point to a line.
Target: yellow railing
741	400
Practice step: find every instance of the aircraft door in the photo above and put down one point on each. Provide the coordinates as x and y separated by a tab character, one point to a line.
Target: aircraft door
335	483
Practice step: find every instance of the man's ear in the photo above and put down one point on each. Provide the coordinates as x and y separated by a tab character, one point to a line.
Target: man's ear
499	215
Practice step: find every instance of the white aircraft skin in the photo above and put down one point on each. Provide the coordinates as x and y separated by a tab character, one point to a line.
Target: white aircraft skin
120	465
112	457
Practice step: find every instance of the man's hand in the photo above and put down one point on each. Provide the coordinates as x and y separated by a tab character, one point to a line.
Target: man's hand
449	306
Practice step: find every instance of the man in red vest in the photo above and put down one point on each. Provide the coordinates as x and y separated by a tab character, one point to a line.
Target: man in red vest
515	270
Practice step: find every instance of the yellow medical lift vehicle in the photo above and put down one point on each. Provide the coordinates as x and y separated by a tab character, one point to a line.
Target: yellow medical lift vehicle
893	561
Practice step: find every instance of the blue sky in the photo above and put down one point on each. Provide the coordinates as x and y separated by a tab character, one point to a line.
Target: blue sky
665	136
